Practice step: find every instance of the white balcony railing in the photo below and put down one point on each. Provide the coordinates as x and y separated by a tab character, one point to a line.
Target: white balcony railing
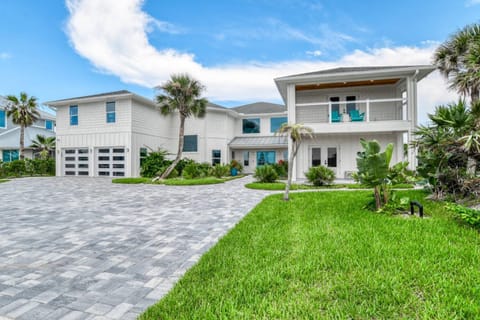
352	111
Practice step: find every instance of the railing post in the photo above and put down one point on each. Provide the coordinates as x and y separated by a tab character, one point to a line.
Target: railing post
368	110
330	112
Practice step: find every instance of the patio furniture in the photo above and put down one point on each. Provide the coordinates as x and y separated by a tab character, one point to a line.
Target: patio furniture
336	117
355	115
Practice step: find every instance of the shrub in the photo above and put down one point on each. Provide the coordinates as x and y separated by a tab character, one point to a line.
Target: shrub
181	165
28	167
265	174
468	215
154	163
220	170
281	168
234	164
320	176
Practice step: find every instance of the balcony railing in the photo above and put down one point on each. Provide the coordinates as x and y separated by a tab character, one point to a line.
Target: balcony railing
352	111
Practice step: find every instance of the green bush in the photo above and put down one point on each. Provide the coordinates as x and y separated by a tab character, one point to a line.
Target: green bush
234	164
220	170
281	168
181	164
154	164
468	215
265	174
191	171
320	176
28	167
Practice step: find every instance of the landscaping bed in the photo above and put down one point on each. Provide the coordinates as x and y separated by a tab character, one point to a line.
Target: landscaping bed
176	181
281	186
321	255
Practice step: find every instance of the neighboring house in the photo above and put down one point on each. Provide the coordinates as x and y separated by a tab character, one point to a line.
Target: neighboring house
109	134
10	134
343	105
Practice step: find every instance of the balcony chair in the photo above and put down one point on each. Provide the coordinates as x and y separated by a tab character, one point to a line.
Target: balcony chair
336	117
356	116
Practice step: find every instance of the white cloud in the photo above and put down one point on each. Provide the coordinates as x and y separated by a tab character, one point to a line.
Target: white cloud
315	53
112	35
5	55
470	3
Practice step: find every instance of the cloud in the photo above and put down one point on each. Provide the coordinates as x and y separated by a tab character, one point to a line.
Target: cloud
470	3
315	53
5	55
112	35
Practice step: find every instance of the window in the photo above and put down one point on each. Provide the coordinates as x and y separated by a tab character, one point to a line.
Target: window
49	125
276	123
335	101
143	155
3	119
316	157
246	158
251	125
190	143
110	108
73	115
216	157
9	155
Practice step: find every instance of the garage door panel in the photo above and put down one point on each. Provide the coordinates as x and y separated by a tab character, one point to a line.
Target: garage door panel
110	162
75	162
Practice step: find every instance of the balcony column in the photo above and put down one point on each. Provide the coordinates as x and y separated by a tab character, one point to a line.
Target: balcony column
291	113
411	117
368	110
329	111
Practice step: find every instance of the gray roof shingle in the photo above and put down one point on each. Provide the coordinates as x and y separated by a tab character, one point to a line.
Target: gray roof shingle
260	107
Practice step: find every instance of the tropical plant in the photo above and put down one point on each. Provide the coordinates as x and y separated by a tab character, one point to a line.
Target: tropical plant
155	163
320	175
265	174
296	132
373	169
181	94
458	60
23	111
43	145
220	170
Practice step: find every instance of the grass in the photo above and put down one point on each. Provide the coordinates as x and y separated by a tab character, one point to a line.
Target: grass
321	256
281	186
4	180
176	181
395	186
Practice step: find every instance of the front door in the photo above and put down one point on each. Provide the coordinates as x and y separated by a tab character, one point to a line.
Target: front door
325	156
265	157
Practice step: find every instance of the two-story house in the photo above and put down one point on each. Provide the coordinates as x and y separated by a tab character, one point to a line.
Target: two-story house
109	134
343	105
10	133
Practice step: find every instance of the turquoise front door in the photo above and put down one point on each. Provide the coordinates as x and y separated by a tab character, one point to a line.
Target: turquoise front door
265	157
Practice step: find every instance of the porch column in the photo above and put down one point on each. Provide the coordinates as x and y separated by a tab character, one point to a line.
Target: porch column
291	113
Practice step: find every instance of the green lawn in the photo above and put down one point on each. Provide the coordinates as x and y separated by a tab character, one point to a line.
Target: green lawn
3	180
321	255
281	186
176	181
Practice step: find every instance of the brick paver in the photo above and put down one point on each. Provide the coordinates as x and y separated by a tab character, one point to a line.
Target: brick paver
81	248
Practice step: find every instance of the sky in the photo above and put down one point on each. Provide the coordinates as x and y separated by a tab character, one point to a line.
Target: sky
56	49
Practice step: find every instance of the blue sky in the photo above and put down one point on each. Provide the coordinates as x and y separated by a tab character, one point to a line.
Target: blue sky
63	49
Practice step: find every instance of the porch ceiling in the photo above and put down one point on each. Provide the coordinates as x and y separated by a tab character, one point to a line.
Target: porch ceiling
345	84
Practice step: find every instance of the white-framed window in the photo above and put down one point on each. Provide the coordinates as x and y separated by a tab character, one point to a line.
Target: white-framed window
216	157
110	111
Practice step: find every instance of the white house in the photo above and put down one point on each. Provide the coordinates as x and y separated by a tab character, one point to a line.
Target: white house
108	134
10	133
343	105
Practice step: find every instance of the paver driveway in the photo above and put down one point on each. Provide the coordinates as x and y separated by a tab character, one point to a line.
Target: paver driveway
84	248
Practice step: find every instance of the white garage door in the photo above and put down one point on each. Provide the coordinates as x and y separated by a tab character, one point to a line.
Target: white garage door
75	162
110	162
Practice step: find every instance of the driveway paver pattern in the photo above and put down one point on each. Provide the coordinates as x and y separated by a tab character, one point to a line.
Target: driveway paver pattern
84	248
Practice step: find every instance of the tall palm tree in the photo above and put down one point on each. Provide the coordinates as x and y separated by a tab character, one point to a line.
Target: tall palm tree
296	132
181	94
23	110
458	60
44	145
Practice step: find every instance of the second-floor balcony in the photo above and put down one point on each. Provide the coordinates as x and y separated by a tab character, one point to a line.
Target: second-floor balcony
368	115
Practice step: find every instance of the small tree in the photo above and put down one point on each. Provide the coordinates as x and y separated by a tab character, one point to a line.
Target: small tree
23	111
181	94
44	145
296	132
373	169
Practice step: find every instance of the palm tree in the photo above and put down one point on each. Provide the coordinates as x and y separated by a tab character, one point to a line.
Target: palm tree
181	94
458	60
296	132
44	145
23	111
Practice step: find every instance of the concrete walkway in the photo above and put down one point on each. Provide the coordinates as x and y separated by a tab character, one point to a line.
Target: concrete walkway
84	248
